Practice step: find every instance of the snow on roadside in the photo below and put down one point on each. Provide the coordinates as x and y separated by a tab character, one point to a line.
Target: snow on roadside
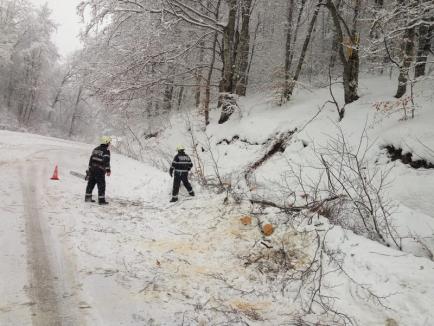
242	140
144	261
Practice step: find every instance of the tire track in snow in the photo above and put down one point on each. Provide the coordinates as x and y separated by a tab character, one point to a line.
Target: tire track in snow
49	305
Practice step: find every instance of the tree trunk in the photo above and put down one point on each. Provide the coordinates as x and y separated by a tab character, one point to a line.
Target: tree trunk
297	28
351	64
74	114
404	70
335	42
10	91
252	52
207	99
59	91
32	104
226	84
351	78
168	97
291	41
352	68
230	44
243	50
288	51
24	97
199	76
197	94
425	35
180	97
168	89
291	85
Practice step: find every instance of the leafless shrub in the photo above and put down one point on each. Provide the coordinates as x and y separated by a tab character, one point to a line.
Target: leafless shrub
340	109
424	244
300	261
404	104
288	256
343	186
304	262
361	187
204	155
194	143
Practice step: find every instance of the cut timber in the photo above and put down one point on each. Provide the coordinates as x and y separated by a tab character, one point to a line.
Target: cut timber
246	220
268	229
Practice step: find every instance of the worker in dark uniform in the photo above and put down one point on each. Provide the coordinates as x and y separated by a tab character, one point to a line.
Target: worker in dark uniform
99	167
181	165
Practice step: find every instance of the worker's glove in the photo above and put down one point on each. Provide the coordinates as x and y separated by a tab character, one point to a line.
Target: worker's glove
171	173
87	175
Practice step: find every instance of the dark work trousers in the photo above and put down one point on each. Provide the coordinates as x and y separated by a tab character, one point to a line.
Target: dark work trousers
96	177
181	176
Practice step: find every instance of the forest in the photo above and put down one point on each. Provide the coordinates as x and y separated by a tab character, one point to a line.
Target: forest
305	127
143	60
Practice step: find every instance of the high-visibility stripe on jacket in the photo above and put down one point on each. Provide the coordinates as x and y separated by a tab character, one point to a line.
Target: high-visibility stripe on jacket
181	163
100	158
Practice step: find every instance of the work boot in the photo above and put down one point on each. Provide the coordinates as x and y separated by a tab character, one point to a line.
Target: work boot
102	202
88	199
173	200
191	193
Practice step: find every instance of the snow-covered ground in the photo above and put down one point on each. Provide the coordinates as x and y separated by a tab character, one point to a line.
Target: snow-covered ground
143	261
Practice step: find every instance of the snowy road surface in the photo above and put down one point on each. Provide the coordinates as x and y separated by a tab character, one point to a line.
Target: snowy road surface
51	275
50	285
141	261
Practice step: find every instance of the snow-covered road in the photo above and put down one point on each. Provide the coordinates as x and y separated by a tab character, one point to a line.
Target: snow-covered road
143	261
45	280
134	262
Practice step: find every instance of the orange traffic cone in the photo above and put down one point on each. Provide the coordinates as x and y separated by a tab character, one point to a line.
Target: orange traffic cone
55	174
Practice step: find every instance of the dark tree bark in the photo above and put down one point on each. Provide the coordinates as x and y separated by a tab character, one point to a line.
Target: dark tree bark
301	60
242	55
168	97
236	45
408	56
408	48
252	52
288	50
297	28
74	113
169	89
335	44
350	60
180	97
207	99
424	48
199	76
226	84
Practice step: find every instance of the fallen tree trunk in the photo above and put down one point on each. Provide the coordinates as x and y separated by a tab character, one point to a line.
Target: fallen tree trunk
278	145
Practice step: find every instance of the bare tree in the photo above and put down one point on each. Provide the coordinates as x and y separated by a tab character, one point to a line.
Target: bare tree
289	89
242	58
348	48
291	39
424	49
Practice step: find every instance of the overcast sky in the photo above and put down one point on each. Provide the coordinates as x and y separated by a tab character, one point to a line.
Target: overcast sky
68	23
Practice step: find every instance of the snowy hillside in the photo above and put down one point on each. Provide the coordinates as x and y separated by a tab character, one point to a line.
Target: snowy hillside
143	261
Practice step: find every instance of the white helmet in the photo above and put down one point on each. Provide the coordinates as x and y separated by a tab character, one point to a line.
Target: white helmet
180	148
105	140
